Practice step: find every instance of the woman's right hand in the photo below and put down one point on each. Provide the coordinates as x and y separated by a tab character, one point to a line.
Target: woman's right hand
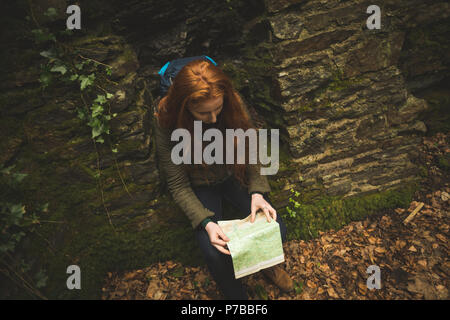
217	237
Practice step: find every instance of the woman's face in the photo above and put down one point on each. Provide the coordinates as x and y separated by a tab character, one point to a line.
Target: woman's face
207	111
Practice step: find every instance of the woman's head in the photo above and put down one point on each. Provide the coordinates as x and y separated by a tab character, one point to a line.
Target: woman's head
207	111
202	91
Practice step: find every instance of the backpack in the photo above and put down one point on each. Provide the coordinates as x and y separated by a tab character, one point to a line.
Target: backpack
171	68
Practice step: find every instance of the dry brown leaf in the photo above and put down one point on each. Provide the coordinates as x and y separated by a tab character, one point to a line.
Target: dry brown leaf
441	237
311	284
412	249
423	263
380	250
130	275
400	244
332	293
362	288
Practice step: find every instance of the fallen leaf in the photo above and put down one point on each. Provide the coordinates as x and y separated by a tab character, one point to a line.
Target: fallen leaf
423	263
362	288
380	250
332	293
311	284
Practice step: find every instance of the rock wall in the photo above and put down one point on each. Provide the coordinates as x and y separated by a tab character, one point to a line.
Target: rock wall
348	102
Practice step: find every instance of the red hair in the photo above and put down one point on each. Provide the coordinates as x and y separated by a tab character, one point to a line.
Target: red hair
198	81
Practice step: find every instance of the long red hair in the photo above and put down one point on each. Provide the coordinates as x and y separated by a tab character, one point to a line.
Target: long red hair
198	81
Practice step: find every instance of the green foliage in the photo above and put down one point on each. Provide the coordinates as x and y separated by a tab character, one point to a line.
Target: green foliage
65	63
298	287
305	220
16	222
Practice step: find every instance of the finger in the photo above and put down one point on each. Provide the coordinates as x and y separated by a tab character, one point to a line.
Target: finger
253	213
219	242
223	235
266	212
222	249
274	213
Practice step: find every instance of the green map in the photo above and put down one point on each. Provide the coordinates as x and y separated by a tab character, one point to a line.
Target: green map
253	246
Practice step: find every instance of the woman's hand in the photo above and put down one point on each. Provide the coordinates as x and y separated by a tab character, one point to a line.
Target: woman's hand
217	237
258	202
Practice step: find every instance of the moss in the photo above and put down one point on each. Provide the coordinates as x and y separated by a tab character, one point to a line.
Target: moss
98	251
334	212
85	237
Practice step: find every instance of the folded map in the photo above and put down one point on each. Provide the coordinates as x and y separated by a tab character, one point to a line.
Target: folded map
253	246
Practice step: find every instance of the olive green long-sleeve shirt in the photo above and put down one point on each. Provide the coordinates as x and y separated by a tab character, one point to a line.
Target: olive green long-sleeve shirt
180	183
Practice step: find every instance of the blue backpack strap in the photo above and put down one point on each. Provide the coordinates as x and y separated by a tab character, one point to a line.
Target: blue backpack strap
171	68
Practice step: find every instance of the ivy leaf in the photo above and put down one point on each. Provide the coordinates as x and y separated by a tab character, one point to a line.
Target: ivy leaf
114	150
44	208
100	99
17	212
81	113
41	36
109	95
59	68
96	110
41	279
51	13
45	78
7	170
109	71
86	80
96	131
47	54
18	177
100	139
73	77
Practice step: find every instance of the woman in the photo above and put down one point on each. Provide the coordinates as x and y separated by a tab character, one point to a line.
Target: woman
201	91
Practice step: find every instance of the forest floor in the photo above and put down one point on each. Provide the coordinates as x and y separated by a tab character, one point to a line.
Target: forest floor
413	257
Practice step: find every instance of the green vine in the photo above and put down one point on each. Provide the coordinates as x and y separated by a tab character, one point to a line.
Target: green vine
65	63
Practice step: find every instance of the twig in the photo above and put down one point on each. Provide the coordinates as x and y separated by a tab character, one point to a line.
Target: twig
82	57
413	214
32	14
25	283
101	187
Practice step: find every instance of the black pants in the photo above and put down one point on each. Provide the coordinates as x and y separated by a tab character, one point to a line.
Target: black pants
220	265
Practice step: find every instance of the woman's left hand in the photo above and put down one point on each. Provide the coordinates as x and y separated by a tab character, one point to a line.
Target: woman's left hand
258	202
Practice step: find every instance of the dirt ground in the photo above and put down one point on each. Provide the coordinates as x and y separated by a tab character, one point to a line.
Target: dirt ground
413	257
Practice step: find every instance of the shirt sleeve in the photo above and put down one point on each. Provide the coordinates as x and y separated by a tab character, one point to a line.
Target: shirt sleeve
177	180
